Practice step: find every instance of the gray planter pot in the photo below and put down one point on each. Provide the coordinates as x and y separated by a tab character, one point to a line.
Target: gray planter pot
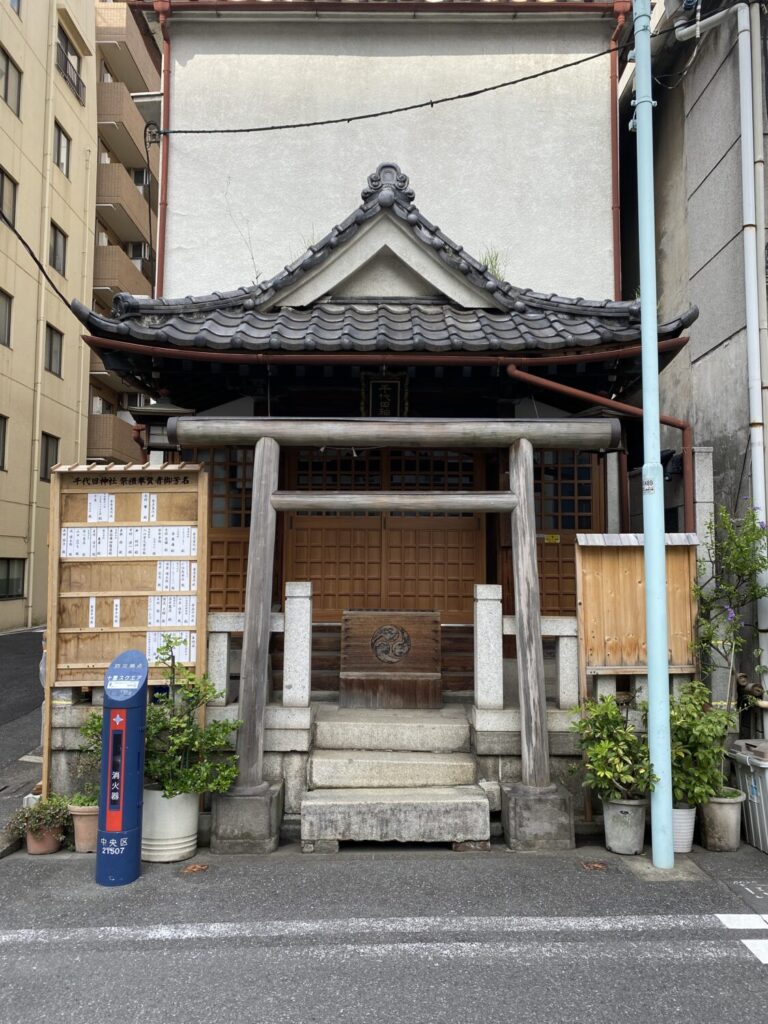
721	822
624	822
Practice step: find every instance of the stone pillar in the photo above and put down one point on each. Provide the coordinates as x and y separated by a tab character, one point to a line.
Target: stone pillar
297	658
612	498
535	814
247	818
489	662
567	668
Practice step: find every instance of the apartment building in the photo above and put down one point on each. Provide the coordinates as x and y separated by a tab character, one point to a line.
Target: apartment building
128	69
48	158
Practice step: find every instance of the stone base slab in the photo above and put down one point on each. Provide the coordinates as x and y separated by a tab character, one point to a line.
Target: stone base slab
454	814
247	824
537	819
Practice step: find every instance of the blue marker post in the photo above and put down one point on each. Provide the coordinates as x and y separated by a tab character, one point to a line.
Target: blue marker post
118	852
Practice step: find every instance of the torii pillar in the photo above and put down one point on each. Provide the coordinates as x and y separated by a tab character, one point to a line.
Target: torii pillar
535	813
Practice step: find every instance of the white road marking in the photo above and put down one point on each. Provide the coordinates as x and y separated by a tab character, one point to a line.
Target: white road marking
759	947
744	921
346	928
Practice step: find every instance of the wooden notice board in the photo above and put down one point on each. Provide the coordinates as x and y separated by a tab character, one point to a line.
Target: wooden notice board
610	582
128	563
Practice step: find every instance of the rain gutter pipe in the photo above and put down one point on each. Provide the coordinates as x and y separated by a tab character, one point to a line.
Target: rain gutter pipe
754	272
627	410
163	10
653	480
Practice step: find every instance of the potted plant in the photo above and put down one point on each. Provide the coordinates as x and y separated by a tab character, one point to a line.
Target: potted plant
43	824
618	768
84	808
84	804
698	728
183	758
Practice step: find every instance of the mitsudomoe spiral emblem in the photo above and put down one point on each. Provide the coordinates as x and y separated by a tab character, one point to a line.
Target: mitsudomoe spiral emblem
390	643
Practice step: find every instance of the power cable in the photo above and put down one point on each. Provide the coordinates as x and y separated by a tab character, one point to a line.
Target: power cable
34	259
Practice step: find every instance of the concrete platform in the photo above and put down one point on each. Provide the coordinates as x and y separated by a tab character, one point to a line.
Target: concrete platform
455	814
356	769
440	731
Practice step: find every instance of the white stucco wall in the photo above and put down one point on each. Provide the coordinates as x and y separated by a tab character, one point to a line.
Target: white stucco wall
524	171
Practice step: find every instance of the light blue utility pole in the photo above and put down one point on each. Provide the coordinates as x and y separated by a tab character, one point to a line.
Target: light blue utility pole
653	480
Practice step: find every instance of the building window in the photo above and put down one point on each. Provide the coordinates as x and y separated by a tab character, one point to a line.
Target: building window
3	436
57	256
6	303
49	455
11	577
61	146
7	197
53	345
68	63
16	6
10	82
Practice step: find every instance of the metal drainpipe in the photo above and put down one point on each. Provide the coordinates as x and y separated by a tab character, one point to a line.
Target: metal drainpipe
39	354
163	10
628	410
752	258
621	9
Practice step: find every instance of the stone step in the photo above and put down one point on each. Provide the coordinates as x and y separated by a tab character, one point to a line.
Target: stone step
441	731
449	814
367	769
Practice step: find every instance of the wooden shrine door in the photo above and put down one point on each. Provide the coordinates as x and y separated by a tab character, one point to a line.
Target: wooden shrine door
402	561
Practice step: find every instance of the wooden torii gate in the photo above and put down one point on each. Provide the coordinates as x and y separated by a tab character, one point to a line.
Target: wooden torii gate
245	817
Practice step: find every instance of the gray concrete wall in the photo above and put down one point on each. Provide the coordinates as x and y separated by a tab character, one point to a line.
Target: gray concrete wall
524	171
700	255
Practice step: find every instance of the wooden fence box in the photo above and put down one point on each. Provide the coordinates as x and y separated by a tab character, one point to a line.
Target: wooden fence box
610	579
390	660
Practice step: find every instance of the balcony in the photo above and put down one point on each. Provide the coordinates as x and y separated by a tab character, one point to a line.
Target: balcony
111	438
73	80
114	272
121	126
133	58
99	374
121	206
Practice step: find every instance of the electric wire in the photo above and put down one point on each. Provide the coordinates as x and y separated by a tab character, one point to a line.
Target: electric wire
34	258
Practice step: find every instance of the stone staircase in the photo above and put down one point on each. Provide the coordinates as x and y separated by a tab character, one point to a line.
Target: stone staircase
393	776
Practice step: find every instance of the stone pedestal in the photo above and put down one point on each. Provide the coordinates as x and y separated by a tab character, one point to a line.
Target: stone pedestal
247	824
536	818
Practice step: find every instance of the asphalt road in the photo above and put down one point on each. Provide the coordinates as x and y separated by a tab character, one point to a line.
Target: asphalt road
22	693
371	937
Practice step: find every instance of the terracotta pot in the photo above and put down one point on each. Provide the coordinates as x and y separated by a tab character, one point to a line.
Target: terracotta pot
86	822
45	841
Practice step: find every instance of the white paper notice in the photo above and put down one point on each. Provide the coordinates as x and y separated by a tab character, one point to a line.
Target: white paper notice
145	507
181	650
91	612
101	508
153	508
193	576
116	612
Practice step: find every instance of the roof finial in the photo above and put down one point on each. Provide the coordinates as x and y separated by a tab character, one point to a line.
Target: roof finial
389	184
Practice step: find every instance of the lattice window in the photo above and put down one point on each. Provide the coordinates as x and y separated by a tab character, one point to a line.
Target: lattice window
564	492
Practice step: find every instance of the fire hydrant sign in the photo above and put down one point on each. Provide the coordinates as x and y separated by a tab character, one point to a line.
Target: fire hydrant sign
118	854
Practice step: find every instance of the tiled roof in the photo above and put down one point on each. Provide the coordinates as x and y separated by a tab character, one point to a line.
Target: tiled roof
517	318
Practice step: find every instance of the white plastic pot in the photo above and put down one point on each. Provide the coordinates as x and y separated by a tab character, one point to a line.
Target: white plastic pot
169	826
683	821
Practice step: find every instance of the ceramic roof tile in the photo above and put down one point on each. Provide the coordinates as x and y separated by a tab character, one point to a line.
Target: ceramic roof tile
522	319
